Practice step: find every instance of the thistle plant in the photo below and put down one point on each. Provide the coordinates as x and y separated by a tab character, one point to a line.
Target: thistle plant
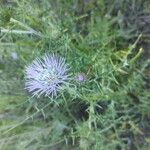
46	75
103	104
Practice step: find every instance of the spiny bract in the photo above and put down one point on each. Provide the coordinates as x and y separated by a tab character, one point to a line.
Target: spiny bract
46	75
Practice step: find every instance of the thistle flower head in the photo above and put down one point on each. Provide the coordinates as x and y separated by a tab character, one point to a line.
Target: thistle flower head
80	77
46	76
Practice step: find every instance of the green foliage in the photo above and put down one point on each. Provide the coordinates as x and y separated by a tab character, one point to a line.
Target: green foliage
103	40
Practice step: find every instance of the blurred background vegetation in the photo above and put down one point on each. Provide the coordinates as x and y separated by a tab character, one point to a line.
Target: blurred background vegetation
106	40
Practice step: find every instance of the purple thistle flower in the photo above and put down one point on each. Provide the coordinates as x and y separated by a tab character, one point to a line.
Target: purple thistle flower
46	76
80	77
